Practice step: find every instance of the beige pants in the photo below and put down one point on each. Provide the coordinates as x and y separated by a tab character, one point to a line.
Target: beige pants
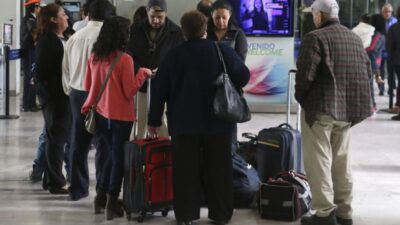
327	164
142	119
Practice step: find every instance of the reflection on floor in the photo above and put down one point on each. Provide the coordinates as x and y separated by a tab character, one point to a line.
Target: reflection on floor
375	154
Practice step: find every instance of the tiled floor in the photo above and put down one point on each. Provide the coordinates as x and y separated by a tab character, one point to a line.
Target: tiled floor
375	155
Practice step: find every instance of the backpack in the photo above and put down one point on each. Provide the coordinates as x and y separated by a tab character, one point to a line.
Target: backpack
245	182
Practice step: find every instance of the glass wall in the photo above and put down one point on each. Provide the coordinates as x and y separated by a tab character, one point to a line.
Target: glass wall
351	10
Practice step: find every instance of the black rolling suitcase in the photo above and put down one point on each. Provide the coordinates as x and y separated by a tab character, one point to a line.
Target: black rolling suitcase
279	148
147	175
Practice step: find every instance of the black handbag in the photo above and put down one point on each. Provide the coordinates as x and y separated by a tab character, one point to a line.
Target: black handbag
229	103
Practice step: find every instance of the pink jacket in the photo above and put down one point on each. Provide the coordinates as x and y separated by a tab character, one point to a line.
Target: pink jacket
116	102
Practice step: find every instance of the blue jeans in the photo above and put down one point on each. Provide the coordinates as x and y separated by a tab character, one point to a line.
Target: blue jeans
39	161
115	133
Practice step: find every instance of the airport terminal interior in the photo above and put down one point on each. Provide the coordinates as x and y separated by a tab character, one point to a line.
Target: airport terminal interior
375	152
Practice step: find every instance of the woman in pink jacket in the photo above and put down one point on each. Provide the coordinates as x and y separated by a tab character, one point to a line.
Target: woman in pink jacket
115	109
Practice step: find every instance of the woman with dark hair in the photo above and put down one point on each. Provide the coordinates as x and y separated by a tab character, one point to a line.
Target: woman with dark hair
225	31
52	22
201	142
115	110
258	16
140	14
204	6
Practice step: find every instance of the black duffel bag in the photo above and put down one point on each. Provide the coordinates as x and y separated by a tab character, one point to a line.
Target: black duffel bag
286	196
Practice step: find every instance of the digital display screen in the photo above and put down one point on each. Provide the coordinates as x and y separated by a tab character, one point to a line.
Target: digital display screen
264	17
72	6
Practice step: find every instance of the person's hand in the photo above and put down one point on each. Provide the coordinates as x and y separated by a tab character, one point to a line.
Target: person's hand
153	132
154	72
147	71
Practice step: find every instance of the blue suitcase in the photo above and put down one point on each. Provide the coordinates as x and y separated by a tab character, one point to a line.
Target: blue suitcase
278	149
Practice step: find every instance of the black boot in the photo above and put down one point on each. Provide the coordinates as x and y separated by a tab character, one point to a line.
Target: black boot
316	220
100	201
36	174
113	208
342	221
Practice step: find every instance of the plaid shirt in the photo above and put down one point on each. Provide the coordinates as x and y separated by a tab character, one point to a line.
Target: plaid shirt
333	75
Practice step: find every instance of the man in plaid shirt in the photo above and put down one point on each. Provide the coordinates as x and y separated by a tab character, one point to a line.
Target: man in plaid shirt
332	86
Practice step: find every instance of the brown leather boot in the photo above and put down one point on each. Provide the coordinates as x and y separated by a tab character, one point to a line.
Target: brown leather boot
100	201
113	208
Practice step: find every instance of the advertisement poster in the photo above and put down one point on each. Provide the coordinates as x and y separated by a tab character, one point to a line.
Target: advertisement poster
269	60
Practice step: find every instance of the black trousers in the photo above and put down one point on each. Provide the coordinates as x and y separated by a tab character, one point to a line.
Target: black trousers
57	116
397	71
80	146
29	95
386	65
203	159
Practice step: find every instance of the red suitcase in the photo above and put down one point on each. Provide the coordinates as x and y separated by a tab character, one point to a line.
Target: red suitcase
148	175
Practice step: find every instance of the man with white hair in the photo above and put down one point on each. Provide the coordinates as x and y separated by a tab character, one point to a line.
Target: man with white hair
332	87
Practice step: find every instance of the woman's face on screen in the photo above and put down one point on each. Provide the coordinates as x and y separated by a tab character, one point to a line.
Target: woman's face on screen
258	4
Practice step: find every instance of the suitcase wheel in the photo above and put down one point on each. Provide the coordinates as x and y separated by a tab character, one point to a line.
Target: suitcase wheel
164	213
140	219
128	216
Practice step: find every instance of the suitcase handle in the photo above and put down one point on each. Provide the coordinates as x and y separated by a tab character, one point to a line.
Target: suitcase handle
250	136
286	125
289	100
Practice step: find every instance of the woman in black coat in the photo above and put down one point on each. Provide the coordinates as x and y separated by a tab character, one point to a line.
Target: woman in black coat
52	22
224	30
201	141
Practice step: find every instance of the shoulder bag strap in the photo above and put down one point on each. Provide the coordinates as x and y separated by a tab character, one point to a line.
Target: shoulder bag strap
108	75
221	58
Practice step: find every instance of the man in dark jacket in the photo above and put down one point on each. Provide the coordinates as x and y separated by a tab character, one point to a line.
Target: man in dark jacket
332	87
28	26
150	40
393	47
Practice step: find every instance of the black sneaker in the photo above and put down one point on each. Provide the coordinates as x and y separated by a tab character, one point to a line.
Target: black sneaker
185	223
397	117
341	221
219	222
36	174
